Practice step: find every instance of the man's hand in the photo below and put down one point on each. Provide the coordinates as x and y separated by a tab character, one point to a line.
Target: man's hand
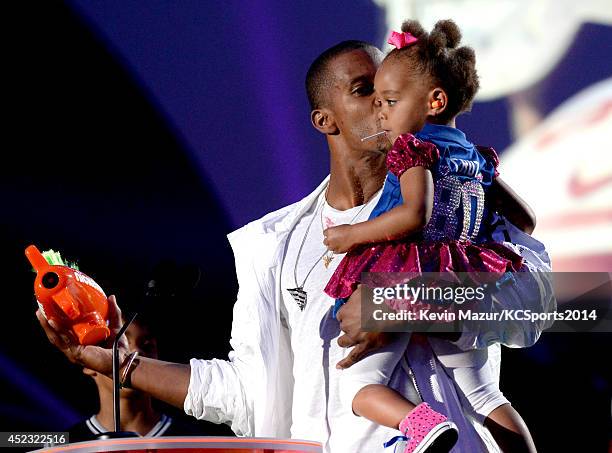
349	317
164	381
96	358
339	239
365	343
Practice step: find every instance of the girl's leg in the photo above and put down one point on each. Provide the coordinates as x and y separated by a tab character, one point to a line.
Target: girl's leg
382	405
364	385
426	429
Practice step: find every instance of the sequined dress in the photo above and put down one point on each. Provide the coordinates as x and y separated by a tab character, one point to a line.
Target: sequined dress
449	242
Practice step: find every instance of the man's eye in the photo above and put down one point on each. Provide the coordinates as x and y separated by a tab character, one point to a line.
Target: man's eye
391	102
363	90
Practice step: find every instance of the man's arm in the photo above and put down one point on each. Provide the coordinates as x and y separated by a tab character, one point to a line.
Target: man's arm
219	391
164	381
170	383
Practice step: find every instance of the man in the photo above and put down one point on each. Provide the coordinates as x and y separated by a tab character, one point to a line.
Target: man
281	378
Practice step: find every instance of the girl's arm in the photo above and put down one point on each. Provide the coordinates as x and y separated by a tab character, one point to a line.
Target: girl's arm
506	202
417	191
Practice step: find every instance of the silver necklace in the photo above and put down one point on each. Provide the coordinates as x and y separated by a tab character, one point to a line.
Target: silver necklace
299	295
329	255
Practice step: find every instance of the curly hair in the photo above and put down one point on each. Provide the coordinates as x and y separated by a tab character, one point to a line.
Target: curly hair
436	57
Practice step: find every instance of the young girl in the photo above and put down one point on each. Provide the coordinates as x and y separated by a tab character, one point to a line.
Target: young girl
423	85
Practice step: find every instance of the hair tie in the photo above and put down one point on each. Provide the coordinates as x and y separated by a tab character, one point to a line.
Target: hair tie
400	40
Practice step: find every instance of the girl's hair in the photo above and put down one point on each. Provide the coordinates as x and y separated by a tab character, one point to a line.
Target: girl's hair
436	57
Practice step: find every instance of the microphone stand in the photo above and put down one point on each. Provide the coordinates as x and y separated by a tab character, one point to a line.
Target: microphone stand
152	292
116	390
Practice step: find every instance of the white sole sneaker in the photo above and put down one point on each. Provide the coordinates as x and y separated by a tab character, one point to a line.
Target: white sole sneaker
440	439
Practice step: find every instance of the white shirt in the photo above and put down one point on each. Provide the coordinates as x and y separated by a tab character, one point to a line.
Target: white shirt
317	413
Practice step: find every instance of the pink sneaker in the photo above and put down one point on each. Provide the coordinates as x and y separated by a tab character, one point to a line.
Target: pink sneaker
428	431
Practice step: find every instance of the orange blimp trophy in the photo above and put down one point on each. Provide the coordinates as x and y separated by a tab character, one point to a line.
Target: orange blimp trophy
70	298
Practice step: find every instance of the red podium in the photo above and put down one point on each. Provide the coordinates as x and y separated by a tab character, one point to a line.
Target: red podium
191	445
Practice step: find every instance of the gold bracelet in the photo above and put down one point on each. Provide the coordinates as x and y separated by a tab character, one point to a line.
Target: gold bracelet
127	369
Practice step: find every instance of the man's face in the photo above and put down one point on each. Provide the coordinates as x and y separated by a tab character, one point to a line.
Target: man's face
351	99
402	100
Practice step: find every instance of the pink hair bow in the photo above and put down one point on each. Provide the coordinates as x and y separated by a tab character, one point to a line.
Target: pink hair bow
400	40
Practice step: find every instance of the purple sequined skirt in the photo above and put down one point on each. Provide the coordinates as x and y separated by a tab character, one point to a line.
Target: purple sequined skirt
413	257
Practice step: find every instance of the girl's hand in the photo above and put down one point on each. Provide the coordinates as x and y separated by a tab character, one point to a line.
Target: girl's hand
340	239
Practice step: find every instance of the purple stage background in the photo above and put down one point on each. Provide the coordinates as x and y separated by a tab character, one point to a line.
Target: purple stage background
229	80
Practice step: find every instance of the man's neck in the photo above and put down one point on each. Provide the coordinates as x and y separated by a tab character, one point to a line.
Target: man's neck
354	181
137	413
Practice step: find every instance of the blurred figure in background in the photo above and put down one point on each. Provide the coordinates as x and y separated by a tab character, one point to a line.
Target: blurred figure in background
139	412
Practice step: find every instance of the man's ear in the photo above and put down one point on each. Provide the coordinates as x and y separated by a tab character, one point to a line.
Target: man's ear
323	121
438	101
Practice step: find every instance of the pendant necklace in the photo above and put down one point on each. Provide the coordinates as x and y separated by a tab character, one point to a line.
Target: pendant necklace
299	295
329	255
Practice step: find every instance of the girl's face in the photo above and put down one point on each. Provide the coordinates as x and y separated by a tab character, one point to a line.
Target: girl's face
403	101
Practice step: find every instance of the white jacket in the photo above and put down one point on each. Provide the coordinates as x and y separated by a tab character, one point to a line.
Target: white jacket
252	392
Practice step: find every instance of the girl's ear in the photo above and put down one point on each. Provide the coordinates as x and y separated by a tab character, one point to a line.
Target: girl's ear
438	101
323	120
